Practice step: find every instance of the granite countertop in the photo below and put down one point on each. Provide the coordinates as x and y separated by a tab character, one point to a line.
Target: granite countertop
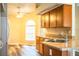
60	46
49	37
53	37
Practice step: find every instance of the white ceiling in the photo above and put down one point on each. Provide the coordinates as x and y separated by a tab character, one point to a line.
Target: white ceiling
29	7
25	8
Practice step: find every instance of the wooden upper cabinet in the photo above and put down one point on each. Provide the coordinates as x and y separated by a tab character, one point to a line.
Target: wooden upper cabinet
53	18
47	24
67	15
59	16
64	16
45	20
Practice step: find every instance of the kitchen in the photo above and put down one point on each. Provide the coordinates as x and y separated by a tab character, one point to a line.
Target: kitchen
56	40
47	27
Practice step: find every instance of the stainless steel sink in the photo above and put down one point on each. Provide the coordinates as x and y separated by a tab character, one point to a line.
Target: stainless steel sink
59	40
51	40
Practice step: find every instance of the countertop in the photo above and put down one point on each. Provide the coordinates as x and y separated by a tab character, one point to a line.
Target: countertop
52	37
60	46
48	37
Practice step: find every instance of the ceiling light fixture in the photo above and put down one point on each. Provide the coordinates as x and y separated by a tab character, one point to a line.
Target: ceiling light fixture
19	13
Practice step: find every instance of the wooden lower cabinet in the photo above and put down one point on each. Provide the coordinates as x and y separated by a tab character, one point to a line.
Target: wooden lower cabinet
41	49
56	52
46	50
51	51
38	47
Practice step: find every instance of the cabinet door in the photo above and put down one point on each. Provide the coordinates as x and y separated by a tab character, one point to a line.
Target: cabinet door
41	49
67	14
46	51
41	39
56	52
60	16
41	45
53	18
42	21
38	47
47	20
37	43
37	40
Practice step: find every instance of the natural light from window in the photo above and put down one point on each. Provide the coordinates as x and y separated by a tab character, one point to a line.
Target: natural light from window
30	30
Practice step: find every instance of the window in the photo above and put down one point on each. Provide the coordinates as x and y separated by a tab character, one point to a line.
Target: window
30	30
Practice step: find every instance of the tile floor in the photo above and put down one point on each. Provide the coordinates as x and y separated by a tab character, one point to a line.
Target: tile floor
29	51
23	51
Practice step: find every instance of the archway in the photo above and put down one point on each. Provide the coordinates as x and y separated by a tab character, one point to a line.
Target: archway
30	32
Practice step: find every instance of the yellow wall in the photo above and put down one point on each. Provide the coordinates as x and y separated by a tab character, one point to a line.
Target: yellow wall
17	27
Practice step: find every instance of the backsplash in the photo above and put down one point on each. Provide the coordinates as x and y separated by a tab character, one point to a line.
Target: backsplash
43	32
56	31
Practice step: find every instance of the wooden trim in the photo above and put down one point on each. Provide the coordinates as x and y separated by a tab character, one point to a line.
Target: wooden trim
49	9
62	15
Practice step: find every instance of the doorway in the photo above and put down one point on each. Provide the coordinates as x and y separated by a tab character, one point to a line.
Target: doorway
30	32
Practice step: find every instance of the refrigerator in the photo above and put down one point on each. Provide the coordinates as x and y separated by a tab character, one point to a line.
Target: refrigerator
3	29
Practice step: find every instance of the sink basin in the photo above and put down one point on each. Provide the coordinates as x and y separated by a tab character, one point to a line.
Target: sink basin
59	41
51	40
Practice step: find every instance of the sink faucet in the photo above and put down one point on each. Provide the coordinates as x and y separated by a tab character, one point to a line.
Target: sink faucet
66	40
65	37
